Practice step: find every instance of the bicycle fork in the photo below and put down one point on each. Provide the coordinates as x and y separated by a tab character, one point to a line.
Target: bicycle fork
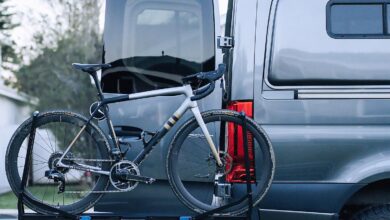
193	105
202	125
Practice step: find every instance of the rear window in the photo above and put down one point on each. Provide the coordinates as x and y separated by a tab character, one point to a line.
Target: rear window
349	19
357	19
302	53
153	44
388	18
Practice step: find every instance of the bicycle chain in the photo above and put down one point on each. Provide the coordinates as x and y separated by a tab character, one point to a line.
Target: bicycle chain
96	160
81	159
100	192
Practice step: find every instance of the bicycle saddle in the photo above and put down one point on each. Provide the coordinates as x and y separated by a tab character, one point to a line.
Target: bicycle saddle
90	68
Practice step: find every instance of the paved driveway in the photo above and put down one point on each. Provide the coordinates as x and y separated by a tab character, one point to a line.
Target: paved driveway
8	214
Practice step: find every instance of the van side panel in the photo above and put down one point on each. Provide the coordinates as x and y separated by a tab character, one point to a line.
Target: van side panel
309	197
323	147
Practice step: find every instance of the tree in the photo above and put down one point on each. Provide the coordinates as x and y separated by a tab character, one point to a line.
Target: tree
5	16
8	54
50	77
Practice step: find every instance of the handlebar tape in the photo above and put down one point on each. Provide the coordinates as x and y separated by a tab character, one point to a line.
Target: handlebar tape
212	75
204	92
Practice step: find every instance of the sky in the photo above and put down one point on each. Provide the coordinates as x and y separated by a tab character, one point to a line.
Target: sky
223	6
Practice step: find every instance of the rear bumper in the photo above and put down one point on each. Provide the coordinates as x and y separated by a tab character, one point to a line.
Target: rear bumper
157	199
284	201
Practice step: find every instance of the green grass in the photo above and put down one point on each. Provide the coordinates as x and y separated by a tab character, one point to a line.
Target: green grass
8	201
46	193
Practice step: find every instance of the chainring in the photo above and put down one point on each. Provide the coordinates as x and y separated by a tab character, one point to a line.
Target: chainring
120	184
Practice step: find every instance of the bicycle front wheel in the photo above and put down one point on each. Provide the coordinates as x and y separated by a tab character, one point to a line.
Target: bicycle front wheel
54	132
193	172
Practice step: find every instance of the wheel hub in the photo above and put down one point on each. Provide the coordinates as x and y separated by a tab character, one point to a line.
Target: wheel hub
55	157
227	162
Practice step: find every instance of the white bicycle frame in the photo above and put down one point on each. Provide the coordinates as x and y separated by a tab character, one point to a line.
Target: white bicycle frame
187	104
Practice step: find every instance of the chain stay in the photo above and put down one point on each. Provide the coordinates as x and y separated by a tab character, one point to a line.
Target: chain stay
97	160
81	159
100	192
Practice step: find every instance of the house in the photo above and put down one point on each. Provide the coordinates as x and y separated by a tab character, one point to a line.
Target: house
14	110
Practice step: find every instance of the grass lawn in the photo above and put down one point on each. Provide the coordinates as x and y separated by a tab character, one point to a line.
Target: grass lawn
8	201
46	193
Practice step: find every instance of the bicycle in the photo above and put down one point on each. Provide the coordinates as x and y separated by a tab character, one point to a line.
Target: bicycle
75	161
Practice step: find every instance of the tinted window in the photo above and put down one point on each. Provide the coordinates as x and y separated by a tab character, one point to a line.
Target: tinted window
308	57
152	44
388	19
356	19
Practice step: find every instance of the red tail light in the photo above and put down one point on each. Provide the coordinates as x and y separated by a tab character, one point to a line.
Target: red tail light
236	147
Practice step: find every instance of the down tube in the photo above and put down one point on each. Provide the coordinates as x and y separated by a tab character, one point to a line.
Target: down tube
163	131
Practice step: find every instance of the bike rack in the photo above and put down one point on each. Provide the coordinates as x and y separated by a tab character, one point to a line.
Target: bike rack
88	216
21	197
248	196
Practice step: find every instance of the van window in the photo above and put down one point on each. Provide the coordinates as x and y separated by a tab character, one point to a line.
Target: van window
301	52
356	19
388	19
153	44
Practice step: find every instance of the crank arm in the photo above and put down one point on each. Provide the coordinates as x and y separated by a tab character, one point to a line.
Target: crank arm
131	177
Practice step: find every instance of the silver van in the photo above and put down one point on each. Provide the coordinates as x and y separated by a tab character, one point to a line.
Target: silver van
314	74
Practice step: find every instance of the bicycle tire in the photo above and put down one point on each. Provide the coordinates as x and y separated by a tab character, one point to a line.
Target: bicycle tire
20	136
187	195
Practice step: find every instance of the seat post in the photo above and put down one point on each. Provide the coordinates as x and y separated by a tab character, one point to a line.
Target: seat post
97	84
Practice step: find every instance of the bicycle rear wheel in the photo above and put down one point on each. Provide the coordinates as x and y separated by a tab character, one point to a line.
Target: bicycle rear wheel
54	132
194	175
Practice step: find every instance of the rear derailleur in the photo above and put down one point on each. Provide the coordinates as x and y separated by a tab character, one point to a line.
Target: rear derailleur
57	174
57	177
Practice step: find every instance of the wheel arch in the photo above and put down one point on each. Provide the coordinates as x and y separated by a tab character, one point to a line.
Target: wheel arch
373	190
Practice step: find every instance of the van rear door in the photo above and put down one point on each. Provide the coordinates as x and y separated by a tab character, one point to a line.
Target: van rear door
152	45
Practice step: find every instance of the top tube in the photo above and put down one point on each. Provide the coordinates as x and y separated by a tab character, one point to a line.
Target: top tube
182	90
